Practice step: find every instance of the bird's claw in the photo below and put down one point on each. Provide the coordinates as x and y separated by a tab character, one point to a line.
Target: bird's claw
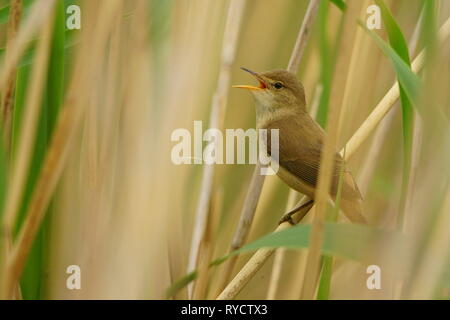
287	218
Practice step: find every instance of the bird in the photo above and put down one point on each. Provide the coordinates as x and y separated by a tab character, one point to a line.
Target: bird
281	104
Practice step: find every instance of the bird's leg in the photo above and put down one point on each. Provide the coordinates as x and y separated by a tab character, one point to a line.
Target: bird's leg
288	216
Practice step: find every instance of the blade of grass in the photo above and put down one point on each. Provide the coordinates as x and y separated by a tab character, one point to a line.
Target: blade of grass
28	55
54	94
349	241
180	284
398	43
299	237
345	240
340	4
56	79
30	282
409	81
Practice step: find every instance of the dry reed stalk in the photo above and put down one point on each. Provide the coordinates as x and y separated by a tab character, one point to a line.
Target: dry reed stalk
206	248
189	36
303	35
321	200
280	253
363	132
97	146
111	107
266	199
134	242
352	70
60	144
245	221
248	210
257	182
112	93
7	104
414	40
218	107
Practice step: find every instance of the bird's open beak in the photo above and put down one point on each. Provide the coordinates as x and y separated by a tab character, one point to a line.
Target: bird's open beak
262	83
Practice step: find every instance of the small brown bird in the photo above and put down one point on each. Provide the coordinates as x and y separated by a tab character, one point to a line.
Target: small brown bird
281	104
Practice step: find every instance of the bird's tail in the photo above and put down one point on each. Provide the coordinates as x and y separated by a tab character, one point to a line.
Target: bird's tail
353	210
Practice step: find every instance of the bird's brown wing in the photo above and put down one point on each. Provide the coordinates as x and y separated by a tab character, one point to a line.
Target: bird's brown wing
300	146
307	168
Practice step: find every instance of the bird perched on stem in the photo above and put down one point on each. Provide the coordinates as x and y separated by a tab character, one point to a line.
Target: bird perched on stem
281	104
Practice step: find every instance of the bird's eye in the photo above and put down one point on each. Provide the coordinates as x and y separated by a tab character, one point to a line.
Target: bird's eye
278	85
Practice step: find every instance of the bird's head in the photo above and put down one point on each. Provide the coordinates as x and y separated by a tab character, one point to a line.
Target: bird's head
278	89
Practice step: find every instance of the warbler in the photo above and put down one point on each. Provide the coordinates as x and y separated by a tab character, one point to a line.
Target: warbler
281	104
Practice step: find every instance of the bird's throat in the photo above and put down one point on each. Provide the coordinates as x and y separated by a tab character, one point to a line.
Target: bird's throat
266	114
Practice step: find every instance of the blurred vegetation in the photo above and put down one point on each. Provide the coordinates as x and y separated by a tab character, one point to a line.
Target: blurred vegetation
120	209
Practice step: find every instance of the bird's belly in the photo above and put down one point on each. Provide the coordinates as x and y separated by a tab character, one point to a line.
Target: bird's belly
295	183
